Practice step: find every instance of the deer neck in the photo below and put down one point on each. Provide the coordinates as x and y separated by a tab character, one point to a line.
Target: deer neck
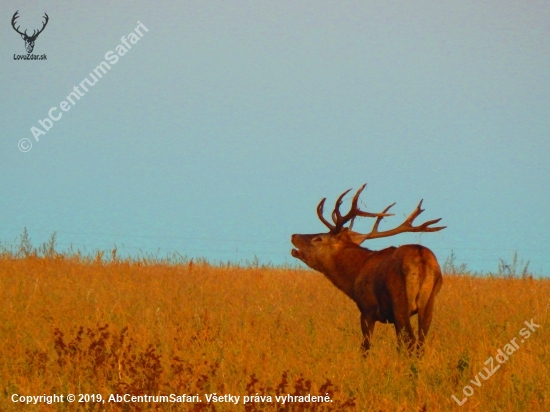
345	267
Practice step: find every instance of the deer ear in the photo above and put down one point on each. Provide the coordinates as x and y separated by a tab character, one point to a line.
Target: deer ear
343	231
344	234
355	237
23	36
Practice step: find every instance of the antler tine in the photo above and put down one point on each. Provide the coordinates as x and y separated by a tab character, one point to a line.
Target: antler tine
416	212
354	202
354	205
379	218
424	226
336	216
321	217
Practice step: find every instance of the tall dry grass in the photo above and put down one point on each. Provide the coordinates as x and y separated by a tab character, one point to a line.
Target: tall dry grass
75	325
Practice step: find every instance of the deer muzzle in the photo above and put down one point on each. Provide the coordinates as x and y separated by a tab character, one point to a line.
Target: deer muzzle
295	239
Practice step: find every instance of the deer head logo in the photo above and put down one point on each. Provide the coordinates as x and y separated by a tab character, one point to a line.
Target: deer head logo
29	40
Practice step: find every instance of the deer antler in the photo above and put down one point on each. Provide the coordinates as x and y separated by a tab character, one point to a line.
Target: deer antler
43	25
15	16
406	226
338	219
34	33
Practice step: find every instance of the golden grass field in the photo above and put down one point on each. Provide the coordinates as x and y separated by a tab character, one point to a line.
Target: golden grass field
83	326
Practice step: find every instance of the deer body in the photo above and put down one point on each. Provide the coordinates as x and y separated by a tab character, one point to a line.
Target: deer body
389	285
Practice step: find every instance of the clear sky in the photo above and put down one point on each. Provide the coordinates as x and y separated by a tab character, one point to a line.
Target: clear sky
220	130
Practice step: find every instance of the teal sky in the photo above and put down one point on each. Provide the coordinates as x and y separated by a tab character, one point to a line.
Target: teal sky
218	133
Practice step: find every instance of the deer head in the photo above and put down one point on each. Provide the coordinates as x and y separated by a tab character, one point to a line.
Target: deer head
29	40
320	251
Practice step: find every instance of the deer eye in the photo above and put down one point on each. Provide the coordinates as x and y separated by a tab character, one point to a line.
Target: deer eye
317	239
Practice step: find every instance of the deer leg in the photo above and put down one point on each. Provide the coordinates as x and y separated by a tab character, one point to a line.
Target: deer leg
367	327
425	314
424	322
404	331
402	318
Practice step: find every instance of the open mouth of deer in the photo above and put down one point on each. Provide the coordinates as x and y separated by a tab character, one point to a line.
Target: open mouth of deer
295	252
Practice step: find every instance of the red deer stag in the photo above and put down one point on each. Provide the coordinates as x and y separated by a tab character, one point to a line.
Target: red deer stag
388	285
